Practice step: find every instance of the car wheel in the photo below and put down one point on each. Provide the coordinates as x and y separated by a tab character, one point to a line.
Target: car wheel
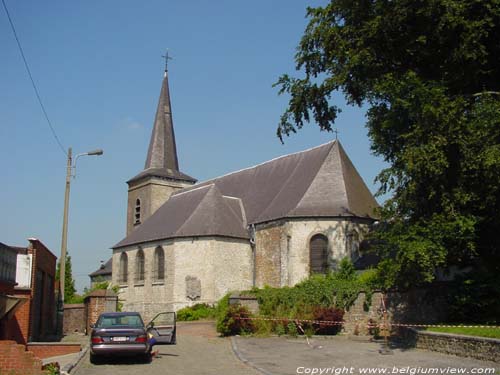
94	359
147	358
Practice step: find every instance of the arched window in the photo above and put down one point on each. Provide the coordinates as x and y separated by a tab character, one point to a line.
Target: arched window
159	264
318	254
139	266
123	275
137	211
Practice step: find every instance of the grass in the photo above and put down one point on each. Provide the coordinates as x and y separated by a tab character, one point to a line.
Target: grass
493	333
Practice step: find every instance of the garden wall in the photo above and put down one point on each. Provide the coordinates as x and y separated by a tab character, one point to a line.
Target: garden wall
482	348
418	306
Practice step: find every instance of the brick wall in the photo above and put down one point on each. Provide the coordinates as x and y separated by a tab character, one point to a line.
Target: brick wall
74	318
51	349
19	325
98	302
15	360
43	307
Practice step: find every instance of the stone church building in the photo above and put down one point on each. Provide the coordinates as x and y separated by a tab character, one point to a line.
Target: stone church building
271	224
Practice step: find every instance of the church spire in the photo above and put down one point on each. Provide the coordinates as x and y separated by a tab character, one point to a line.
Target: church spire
162	152
161	160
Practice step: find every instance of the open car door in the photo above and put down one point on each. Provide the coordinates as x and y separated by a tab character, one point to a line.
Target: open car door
161	329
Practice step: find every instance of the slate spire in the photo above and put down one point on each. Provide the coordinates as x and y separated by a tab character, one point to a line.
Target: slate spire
161	160
162	152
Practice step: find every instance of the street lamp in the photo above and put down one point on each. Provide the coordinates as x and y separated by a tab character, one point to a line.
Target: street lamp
70	172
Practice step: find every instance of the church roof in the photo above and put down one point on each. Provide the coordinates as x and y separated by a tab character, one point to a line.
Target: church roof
161	160
319	182
104	269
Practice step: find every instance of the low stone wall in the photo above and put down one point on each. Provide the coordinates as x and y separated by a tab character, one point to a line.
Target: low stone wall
250	302
418	306
482	348
74	318
51	349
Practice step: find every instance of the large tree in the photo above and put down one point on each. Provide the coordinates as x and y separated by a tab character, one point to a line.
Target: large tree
429	73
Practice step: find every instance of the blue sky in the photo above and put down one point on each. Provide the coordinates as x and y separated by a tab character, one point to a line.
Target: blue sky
98	67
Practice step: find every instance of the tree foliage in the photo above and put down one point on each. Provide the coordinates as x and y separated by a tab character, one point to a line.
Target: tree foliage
429	73
69	282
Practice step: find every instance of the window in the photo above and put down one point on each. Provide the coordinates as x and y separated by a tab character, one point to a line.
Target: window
318	254
123	275
137	212
159	264
139	266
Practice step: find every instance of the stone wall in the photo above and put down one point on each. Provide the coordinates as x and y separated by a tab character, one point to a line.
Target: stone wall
250	302
482	348
152	192
424	306
74	318
197	270
282	247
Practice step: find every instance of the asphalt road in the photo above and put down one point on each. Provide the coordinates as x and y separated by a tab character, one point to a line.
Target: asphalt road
198	351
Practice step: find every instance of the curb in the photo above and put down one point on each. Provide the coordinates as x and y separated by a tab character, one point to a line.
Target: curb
68	369
240	356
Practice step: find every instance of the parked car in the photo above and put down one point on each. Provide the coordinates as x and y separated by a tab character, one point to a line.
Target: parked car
161	329
119	334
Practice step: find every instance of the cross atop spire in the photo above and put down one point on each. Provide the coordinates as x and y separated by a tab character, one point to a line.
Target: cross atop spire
167	57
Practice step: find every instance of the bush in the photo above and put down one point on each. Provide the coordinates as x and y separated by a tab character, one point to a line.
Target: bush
196	312
329	314
230	324
291	329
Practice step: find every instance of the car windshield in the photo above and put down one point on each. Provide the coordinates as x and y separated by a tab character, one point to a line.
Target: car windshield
110	321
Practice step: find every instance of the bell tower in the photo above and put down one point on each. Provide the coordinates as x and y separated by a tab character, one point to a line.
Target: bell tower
161	177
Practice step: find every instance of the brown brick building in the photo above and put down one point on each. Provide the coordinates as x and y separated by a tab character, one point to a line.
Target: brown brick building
35	318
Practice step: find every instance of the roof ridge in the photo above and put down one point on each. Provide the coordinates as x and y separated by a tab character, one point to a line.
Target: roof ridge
188	190
242	208
268	161
292	175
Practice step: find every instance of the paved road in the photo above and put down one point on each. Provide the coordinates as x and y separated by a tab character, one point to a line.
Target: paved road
198	351
340	355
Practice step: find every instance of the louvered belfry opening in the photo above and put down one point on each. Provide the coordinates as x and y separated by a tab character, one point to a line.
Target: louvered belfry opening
319	254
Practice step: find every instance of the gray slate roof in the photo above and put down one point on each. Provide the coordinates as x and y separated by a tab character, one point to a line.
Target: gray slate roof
319	182
104	269
161	160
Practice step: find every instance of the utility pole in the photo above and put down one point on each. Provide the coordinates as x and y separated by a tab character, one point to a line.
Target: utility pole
64	240
70	172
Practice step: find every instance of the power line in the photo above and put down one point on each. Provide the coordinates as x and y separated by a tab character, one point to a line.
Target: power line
32	80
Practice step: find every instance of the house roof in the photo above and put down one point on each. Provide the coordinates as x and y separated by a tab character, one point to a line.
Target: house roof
319	182
104	269
161	160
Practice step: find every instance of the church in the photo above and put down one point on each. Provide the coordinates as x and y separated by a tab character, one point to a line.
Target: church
273	224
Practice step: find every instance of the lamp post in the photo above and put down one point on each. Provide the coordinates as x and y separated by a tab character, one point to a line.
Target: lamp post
70	172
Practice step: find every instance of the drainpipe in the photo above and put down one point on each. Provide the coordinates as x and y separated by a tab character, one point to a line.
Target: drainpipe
252	244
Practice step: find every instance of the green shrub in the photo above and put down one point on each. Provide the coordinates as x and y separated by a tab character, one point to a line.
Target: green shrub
280	329
196	312
291	329
230	323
